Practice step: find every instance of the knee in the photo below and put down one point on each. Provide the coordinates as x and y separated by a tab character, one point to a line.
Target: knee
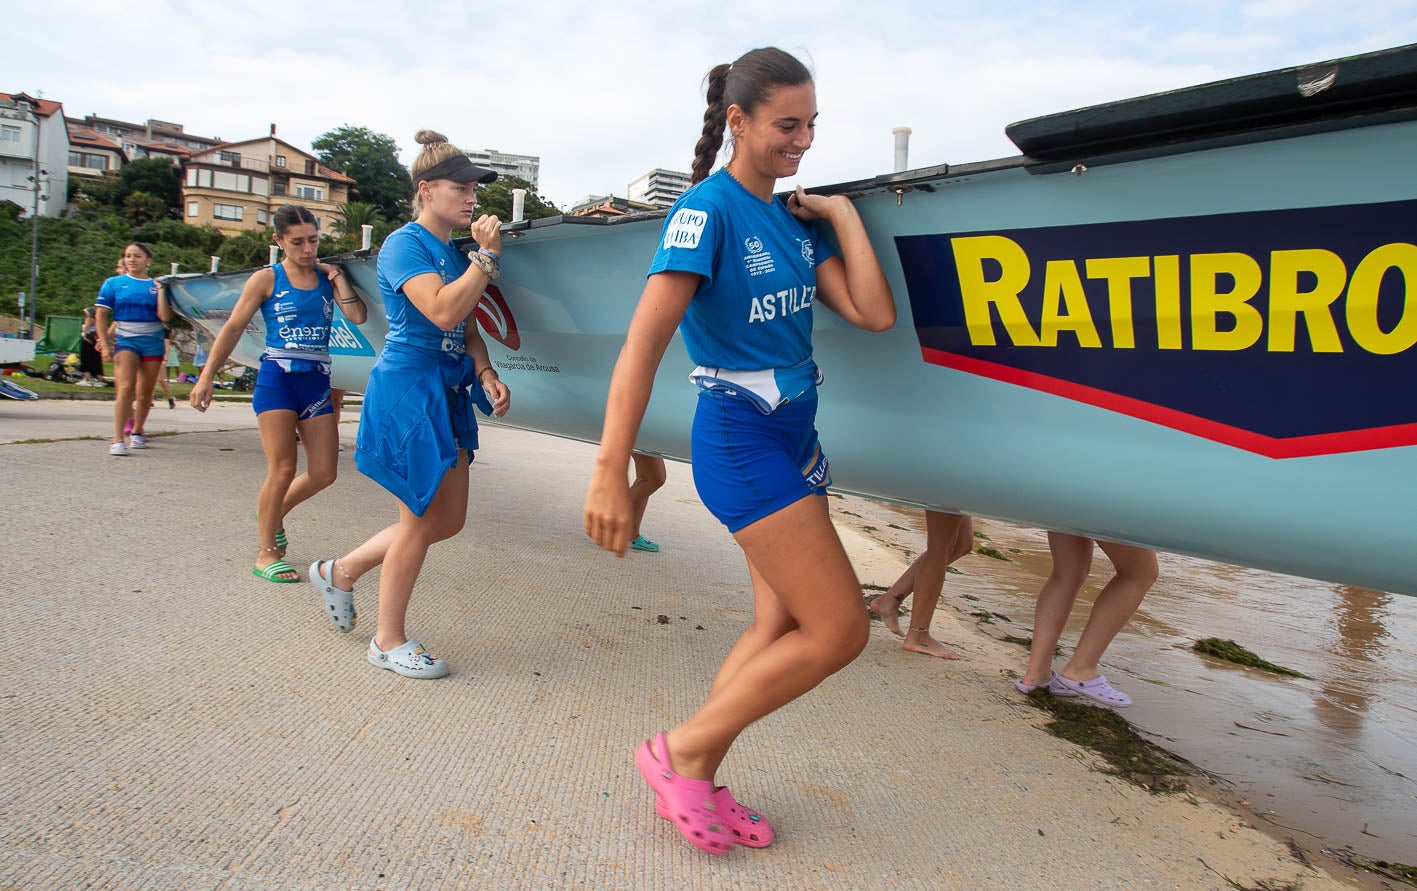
1140	572
1070	576
281	473
322	478
846	640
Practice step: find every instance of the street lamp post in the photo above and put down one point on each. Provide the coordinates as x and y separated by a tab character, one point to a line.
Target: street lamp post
35	181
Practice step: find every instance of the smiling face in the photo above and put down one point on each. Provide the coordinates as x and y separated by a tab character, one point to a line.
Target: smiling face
135	261
300	242
448	203
768	144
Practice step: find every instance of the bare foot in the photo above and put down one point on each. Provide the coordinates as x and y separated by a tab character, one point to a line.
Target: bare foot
266	559
927	645
887	609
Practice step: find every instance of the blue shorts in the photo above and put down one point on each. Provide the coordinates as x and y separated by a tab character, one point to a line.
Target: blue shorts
149	347
307	393
748	465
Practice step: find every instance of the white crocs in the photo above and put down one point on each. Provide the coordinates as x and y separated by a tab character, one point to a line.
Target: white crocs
339	603
409	660
1097	689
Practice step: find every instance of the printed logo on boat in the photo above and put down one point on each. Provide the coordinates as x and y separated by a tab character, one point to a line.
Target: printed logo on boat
1287	333
345	339
685	229
494	316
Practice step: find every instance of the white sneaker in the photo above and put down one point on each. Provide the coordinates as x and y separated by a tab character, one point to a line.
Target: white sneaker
138	441
409	660
117	449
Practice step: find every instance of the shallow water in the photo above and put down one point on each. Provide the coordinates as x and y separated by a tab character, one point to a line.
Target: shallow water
1333	760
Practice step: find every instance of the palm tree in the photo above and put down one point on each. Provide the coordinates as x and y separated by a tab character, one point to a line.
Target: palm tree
357	214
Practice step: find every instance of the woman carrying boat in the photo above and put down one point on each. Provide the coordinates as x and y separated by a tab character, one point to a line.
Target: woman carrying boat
737	272
137	307
1115	604
417	432
947	538
296	299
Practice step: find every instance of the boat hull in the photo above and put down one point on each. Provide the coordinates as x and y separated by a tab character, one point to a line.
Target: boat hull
1112	440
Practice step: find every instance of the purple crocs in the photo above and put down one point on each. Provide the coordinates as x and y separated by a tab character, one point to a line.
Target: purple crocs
1097	689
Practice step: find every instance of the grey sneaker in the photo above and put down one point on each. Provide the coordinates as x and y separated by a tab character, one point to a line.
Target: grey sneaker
409	660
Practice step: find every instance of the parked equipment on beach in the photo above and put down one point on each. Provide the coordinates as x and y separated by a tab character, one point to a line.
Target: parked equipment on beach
11	390
1186	321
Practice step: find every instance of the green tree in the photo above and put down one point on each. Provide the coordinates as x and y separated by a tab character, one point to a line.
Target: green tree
246	249
156	176
372	161
356	215
496	198
143	207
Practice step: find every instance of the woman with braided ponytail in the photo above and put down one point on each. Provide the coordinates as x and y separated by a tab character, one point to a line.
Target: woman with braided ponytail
738	271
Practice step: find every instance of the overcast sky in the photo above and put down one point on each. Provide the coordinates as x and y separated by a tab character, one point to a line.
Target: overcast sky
604	91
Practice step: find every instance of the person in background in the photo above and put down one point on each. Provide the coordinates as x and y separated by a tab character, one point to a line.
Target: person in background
1072	561
296	298
757	463
137	306
90	359
417	431
650	476
947	538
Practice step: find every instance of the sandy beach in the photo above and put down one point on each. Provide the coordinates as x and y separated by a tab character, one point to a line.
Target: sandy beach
169	721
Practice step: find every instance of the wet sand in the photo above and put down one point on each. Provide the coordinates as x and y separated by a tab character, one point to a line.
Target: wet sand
1327	761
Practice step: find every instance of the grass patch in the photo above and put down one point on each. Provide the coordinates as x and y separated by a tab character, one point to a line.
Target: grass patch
1126	754
981	536
986	551
1233	652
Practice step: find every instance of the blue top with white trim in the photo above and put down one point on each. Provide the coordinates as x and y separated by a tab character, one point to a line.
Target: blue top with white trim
753	306
130	299
298	319
411	251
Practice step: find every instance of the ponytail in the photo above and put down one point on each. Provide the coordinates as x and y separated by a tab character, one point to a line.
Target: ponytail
715	119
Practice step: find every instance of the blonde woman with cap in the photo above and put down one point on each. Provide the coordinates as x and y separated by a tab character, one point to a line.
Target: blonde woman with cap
417	431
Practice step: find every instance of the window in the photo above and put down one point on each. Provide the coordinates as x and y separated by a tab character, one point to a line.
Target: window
309	166
9	133
278	188
95	162
280	160
261	217
312	193
76	159
228	212
231	159
192	208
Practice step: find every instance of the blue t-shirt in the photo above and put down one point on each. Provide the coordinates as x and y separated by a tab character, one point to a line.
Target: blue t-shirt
753	307
130	299
408	252
298	319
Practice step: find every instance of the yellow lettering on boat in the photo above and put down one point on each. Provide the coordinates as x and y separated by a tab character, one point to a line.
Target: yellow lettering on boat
1065	306
1118	272
1208	302
1168	302
1362	302
978	292
1287	302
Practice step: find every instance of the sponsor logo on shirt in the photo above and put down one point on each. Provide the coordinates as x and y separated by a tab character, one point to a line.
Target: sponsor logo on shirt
685	229
808	253
758	260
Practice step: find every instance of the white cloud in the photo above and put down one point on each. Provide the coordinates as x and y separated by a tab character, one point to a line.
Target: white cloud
605	92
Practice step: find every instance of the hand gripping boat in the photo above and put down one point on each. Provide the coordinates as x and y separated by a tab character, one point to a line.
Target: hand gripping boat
1186	321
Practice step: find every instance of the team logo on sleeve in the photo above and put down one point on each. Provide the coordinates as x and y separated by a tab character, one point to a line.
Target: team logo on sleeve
685	229
808	253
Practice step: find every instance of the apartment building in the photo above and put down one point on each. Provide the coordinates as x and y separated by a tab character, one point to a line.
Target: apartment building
238	185
528	167
92	154
32	135
152	139
659	187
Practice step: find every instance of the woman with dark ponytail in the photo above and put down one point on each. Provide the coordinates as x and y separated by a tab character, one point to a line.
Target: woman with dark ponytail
738	271
296	298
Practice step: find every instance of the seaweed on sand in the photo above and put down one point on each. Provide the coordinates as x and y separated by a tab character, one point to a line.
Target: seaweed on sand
1233	652
1127	754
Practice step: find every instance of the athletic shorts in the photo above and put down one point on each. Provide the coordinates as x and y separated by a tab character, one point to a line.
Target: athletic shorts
149	347
307	393
748	465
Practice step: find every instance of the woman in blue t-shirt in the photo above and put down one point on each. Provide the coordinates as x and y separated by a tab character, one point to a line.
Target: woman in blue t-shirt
742	270
417	432
296	298
137	306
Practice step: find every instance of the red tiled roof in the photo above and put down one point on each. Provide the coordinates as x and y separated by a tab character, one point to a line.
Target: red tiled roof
85	136
47	107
